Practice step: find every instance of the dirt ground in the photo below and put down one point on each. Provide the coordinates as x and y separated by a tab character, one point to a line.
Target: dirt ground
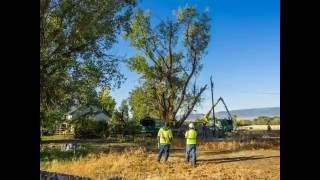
139	164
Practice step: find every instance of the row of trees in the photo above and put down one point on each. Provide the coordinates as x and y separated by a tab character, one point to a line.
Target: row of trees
77	68
261	120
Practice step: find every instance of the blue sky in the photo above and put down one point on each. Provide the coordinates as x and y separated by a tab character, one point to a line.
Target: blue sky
243	53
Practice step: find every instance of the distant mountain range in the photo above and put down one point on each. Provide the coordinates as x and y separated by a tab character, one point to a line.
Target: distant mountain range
251	113
243	113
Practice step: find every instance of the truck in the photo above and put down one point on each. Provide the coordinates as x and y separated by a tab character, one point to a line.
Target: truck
150	126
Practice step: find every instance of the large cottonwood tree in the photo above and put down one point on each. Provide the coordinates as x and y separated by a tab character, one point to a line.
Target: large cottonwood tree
169	59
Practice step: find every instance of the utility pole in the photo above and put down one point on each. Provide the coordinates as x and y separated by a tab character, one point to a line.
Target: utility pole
213	114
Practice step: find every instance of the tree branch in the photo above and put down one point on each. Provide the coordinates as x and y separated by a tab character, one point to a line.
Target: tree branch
163	59
155	49
184	117
157	97
185	87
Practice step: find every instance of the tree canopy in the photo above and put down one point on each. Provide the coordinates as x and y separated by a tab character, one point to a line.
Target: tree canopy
75	37
142	104
106	102
169	61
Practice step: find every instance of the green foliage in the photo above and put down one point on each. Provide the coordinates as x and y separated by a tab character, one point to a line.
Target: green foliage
169	61
124	109
275	121
106	102
116	128
117	124
75	37
50	120
142	104
86	128
132	128
264	120
235	120
120	122
121	115
261	120
244	122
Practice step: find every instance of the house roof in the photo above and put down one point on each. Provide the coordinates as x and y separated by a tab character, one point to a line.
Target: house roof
85	110
99	112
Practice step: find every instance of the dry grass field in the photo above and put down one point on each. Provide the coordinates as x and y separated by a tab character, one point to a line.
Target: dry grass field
216	160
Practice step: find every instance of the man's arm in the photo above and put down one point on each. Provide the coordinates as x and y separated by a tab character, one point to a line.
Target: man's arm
159	134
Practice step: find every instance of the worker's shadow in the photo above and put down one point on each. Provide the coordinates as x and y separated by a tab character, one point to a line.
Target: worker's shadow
234	159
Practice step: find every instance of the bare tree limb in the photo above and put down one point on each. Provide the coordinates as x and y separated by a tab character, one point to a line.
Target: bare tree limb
185	87
184	117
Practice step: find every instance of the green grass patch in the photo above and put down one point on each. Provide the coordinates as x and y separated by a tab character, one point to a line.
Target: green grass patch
56	137
55	153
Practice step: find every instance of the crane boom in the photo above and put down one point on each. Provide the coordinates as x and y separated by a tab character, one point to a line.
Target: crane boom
208	113
226	125
220	99
226	108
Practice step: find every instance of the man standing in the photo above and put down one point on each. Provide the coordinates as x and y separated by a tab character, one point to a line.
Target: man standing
191	137
164	141
205	121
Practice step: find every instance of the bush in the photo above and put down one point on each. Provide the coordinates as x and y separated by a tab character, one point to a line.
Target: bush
244	123
88	128
115	128
264	120
275	122
130	128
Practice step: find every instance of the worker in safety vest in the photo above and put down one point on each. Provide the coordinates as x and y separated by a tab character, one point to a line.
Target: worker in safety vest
164	141
191	137
205	121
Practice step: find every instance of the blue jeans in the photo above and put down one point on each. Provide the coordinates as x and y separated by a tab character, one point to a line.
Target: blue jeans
164	148
191	149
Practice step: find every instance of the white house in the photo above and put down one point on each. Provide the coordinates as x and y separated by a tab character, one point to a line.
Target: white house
84	111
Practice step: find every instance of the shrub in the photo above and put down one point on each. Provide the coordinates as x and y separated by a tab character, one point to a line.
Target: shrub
244	123
88	128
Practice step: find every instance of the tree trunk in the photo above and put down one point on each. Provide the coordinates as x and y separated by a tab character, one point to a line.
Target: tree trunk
41	130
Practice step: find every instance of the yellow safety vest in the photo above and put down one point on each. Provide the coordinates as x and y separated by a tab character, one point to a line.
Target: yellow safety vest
205	119
165	135
191	136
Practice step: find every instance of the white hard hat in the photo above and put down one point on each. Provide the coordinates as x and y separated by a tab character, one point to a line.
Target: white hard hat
191	125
